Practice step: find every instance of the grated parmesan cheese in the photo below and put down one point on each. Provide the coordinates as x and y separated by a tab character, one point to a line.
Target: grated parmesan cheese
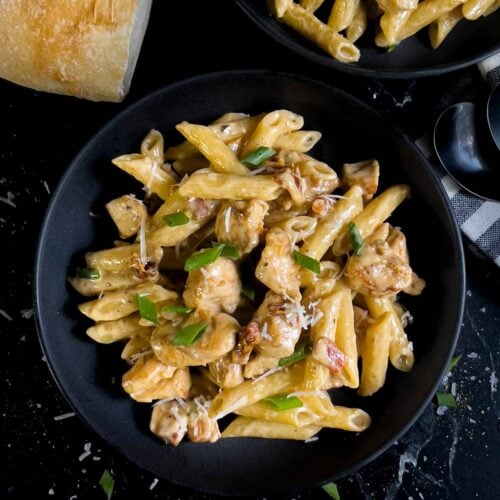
86	452
153	484
205	273
227	219
64	416
263	332
306	393
142	241
182	425
5	315
269	372
257	171
311	439
230	409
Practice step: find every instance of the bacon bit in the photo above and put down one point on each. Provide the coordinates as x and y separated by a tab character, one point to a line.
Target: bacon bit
141	270
248	338
328	354
199	208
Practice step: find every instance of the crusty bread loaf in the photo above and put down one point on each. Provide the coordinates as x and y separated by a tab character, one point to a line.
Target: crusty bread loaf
84	48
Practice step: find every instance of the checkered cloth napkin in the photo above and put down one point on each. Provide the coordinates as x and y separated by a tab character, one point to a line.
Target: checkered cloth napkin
478	219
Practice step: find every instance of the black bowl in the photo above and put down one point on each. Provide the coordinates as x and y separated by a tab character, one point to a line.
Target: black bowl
85	371
467	44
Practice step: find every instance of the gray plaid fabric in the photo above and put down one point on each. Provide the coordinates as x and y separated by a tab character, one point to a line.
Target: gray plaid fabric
478	219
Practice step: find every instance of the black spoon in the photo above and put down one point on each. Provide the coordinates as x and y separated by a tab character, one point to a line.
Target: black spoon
467	149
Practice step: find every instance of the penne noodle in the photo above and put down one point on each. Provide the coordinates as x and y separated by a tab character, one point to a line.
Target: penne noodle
426	13
392	23
322	35
374	214
342	14
400	349
231	187
146	171
442	27
474	9
329	227
311	5
107	332
214	149
251	391
347	419
250	427
358	24
270	128
301	141
375	355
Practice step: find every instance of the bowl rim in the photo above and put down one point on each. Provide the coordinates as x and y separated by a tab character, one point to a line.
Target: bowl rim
103	132
328	62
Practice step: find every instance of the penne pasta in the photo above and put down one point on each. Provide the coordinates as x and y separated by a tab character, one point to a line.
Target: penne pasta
359	23
301	141
342	14
250	427
442	27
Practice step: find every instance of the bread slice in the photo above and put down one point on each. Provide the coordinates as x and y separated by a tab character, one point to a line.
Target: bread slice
84	48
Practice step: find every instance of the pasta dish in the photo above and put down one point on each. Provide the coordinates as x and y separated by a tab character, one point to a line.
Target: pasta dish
249	281
346	21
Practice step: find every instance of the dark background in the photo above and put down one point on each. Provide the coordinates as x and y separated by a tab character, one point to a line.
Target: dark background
455	455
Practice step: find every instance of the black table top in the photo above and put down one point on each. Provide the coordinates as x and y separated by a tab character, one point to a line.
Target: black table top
444	456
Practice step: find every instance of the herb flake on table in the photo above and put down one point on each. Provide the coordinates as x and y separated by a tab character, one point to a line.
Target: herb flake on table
332	490
107	483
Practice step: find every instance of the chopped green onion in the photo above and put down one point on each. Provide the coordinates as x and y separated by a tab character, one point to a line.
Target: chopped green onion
282	402
332	490
203	258
355	238
107	483
255	158
229	251
306	262
391	48
88	273
452	364
444	399
300	352
189	334
177	309
147	309
248	292
176	219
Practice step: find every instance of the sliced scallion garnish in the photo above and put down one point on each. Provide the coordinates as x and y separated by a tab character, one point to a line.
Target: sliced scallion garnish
445	399
248	292
177	309
255	158
176	219
282	402
300	352
88	273
391	48
203	258
452	364
332	490
189	334
107	483
147	309
229	251
306	262
355	238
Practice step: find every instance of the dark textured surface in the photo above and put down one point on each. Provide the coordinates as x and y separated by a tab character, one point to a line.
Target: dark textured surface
455	455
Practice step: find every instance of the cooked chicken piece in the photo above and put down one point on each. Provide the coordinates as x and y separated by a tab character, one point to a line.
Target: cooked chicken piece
226	373
202	208
318	176
322	205
377	271
200	427
150	379
214	287
248	338
240	223
416	285
218	339
280	325
396	241
381	233
127	213
276	268
169	421
328	354
176	387
364	174
258	365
